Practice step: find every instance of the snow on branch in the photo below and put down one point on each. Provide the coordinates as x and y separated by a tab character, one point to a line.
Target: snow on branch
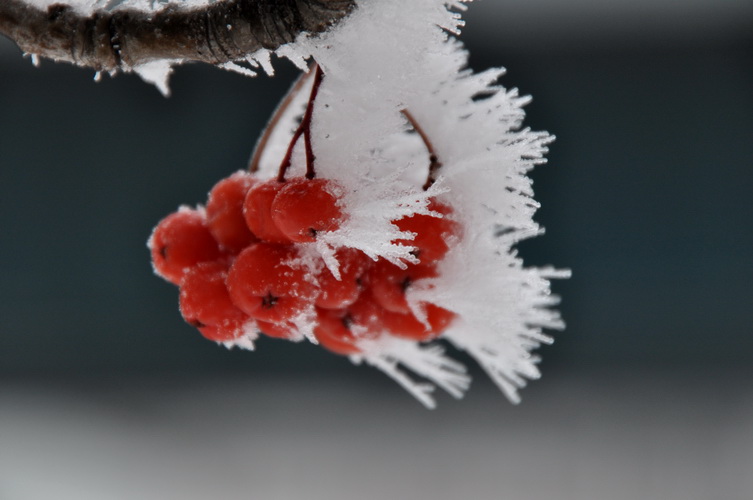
125	37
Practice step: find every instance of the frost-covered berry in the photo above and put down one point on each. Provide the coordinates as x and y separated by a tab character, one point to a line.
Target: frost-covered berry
409	327
333	332
180	241
225	332
277	330
305	207
367	316
225	212
432	234
257	211
264	283
340	293
390	283
205	302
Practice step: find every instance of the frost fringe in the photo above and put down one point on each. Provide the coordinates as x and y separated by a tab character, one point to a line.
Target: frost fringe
387	56
361	140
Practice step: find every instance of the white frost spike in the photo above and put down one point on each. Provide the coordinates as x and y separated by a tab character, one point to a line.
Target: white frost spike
392	55
419	390
371	208
263	58
157	73
293	56
237	68
245	341
428	361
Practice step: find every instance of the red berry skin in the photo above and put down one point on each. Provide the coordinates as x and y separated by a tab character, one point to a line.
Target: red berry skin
339	294
205	302
257	211
222	333
389	283
305	207
333	332
367	316
432	233
180	241
284	331
272	308
374	320
225	218
263	284
409	327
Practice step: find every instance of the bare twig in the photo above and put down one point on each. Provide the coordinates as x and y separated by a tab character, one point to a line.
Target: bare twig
124	38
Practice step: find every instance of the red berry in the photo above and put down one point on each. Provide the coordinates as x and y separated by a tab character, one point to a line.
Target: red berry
272	308
277	330
205	302
305	207
180	241
439	318
339	294
333	332
367	316
389	283
431	232
408	326
257	211
225	212
222	333
264	284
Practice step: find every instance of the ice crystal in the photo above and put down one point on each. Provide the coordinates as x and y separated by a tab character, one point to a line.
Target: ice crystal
388	57
391	55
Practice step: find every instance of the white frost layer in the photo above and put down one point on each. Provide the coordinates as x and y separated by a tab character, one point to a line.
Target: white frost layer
391	55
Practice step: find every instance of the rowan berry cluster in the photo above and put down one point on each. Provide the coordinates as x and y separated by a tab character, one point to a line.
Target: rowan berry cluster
245	263
240	265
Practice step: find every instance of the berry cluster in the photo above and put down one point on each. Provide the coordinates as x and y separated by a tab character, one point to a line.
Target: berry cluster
244	264
240	265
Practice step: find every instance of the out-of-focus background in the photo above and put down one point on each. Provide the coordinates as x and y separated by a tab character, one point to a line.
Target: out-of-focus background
106	394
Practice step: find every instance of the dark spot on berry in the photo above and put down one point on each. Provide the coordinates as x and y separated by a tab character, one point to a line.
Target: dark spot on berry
312	232
405	283
416	253
163	251
269	301
195	323
347	321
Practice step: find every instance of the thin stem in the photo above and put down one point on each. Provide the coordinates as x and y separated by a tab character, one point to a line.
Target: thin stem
434	163
253	165
303	129
310	173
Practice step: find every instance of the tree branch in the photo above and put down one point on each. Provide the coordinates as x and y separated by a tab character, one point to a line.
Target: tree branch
125	38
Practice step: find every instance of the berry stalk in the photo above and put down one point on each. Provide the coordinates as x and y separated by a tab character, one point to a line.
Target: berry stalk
434	163
304	129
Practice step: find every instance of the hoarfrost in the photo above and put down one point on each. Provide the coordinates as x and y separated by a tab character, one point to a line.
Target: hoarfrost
157	73
388	56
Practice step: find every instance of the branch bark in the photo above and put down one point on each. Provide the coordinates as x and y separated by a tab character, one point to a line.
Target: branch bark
124	38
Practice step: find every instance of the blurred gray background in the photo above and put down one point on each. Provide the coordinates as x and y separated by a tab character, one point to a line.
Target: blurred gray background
106	393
